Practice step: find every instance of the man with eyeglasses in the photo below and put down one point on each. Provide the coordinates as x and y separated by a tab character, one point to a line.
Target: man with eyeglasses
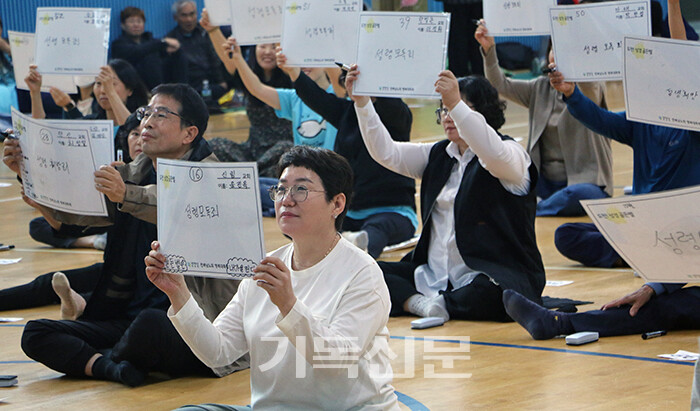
124	332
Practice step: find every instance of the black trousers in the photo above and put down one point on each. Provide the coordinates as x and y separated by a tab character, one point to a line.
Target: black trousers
679	310
66	346
39	291
480	300
382	229
40	230
462	48
149	342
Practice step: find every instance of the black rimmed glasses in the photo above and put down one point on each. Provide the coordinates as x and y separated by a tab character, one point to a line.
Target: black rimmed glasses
439	112
298	193
159	114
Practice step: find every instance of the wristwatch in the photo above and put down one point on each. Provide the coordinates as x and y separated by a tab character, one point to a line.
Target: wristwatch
70	106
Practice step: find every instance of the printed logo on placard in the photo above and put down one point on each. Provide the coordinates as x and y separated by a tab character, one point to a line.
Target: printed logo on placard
639	50
614	215
166	178
20	129
18	41
369	26
562	18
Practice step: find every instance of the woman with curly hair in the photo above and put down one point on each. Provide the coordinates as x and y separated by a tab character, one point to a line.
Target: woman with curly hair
477	202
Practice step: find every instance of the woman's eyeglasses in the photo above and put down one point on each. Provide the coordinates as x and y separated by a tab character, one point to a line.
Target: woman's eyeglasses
439	112
298	193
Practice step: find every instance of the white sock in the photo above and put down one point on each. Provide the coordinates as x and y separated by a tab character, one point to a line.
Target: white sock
440	300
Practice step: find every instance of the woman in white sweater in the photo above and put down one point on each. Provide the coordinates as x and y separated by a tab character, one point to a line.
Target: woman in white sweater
313	318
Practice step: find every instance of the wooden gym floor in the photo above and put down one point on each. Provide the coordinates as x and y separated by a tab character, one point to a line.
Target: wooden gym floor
496	366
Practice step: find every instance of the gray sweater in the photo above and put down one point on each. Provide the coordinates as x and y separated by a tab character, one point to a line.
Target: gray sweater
587	156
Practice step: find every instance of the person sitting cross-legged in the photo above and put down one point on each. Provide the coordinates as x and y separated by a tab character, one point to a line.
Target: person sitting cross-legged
120	335
477	202
317	307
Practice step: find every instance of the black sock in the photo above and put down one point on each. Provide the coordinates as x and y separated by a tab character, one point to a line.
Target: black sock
541	323
123	372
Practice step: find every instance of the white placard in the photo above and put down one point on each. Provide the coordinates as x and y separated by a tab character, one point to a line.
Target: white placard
518	18
219	12
553	283
8	261
209	218
71	40
317	33
59	159
257	21
658	234
401	54
587	39
22	45
661	81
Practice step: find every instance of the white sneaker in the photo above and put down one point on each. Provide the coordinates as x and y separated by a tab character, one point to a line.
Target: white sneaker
359	239
423	306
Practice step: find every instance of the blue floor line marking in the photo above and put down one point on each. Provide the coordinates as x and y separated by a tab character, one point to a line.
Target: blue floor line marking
17	362
561	350
410	402
12	325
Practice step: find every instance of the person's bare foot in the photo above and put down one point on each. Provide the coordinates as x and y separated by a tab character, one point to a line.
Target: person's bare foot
72	303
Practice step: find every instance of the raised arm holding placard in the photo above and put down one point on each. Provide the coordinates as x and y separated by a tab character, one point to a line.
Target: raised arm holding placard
587	39
71	41
400	53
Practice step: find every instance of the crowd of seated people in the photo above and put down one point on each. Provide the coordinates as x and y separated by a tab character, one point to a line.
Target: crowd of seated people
202	66
156	60
118	91
269	135
334	162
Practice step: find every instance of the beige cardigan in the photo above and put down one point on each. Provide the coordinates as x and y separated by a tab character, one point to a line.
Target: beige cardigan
587	155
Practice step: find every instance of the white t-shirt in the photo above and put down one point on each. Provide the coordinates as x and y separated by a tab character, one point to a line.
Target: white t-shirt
329	352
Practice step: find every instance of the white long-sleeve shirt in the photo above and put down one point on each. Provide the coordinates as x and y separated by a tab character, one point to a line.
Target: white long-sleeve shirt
505	160
329	352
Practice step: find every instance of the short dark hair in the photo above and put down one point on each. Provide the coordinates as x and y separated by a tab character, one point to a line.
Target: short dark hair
131	12
130	77
334	170
121	141
484	97
193	109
